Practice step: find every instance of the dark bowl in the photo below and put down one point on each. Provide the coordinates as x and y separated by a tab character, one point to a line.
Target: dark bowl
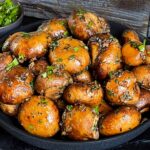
14	25
12	126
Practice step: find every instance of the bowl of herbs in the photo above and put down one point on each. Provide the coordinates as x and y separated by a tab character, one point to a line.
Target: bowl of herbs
11	15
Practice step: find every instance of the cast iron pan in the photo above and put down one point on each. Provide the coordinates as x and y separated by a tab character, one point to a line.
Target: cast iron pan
12	126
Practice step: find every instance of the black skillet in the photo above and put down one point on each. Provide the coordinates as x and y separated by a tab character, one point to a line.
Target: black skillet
12	126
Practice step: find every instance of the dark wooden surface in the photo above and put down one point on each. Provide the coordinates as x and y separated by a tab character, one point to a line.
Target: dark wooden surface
133	13
8	142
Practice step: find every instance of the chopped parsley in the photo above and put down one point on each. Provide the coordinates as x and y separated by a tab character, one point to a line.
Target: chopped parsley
30	127
89	25
96	110
72	57
12	64
54	45
49	71
43	101
66	33
76	49
25	35
44	75
140	47
80	12
21	57
59	60
110	93
32	84
69	107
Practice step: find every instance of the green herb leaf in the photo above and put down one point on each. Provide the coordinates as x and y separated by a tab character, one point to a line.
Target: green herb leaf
21	57
66	33
80	12
110	93
59	60
96	110
44	75
25	35
32	84
53	45
43	101
90	24
72	57
76	49
12	64
30	127
142	46
69	107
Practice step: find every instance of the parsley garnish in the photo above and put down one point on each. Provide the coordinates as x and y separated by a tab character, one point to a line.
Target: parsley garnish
96	110
12	64
76	49
44	75
72	57
69	107
59	60
140	47
30	127
43	101
90	23
21	57
53	45
66	33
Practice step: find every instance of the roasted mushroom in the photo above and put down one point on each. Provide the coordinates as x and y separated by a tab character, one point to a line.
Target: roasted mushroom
119	121
5	59
52	82
142	74
71	53
56	28
122	88
31	45
106	56
15	86
80	122
143	104
133	53
38	66
10	110
84	93
83	77
39	116
130	35
84	24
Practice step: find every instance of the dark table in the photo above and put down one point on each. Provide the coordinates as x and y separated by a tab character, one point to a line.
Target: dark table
8	142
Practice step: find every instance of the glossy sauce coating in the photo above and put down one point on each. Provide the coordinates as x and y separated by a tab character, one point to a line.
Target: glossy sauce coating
30	45
71	53
122	89
142	74
84	24
119	121
87	93
39	116
56	28
52	82
15	85
80	123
